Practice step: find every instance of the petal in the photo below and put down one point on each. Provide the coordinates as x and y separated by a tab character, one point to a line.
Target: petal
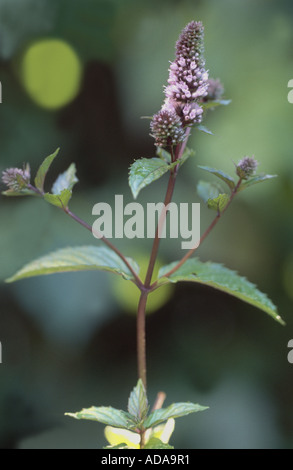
117	436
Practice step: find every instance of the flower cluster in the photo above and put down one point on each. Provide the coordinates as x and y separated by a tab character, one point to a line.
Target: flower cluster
167	128
16	179
187	87
188	79
246	167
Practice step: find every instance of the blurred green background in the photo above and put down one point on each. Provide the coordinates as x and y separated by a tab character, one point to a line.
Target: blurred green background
79	75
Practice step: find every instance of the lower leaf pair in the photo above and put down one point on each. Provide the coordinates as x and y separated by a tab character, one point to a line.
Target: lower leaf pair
135	428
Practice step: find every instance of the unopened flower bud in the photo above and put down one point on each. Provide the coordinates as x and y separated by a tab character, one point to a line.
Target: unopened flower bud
16	179
246	167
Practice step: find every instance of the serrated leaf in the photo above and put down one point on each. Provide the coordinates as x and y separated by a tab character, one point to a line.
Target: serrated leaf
254	180
137	402
65	180
218	203
208	191
144	171
219	277
176	410
104	414
155	443
220	174
60	200
80	258
43	169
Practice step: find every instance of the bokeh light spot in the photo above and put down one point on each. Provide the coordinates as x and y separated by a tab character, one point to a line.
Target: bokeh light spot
51	73
127	294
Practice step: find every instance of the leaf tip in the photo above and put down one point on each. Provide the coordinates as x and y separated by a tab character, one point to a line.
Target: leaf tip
69	414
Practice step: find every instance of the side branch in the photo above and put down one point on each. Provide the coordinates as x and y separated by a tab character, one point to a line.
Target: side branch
202	238
137	279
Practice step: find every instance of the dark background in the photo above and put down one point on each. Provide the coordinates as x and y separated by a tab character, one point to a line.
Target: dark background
68	341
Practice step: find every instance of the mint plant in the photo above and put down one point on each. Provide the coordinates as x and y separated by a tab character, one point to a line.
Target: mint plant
189	95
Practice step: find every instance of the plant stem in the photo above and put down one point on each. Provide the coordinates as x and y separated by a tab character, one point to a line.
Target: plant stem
145	290
162	218
140	330
161	396
142	440
170	189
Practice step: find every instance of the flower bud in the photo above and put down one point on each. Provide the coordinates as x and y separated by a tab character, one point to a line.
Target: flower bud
166	128
246	167
16	179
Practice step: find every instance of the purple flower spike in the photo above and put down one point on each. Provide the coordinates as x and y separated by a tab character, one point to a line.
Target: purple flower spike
187	87
188	79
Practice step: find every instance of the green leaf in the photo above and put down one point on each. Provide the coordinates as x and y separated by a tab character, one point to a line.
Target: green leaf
137	402
21	192
156	443
221	278
104	414
81	258
144	171
220	174
176	410
254	180
163	155
204	129
208	191
219	203
65	181
43	169
60	200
